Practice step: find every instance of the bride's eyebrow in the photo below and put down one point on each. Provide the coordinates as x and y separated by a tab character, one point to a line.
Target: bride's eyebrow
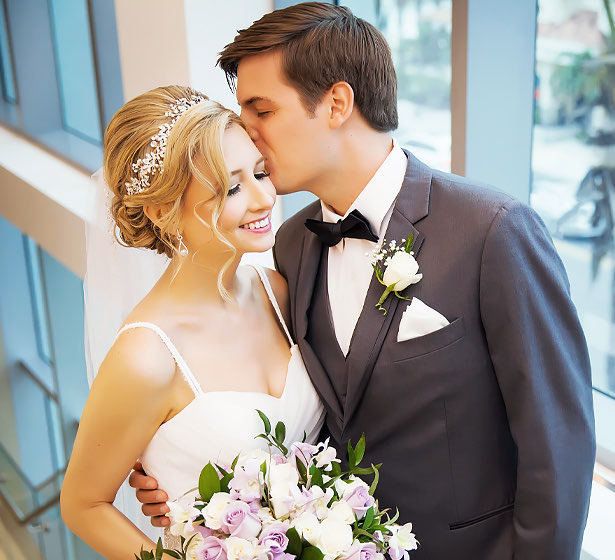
257	162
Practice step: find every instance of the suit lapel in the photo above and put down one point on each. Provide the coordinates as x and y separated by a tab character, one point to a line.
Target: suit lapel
309	263
412	205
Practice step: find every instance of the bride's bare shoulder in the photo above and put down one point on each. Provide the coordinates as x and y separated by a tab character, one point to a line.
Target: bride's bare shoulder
140	353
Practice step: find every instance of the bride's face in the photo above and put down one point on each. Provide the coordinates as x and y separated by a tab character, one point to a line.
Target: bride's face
245	220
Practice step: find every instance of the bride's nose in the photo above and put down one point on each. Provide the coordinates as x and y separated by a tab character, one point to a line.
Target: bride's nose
263	195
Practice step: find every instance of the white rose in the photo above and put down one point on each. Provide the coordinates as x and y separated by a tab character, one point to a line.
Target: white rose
259	455
342	511
401	271
308	527
319	501
239	549
335	537
212	512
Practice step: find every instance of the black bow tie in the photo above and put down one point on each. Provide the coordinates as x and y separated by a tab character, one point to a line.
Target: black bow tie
354	225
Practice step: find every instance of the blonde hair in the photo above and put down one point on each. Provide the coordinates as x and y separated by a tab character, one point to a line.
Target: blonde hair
194	149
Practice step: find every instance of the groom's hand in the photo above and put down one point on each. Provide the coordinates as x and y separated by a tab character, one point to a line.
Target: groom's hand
150	496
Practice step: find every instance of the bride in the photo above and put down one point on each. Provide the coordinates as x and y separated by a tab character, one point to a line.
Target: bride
208	344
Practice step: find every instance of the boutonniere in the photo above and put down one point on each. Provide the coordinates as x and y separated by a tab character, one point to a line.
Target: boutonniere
396	268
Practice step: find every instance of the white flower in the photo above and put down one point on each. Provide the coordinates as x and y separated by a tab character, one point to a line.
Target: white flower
402	538
335	537
240	549
212	512
326	456
308	527
192	553
259	455
342	511
182	514
401	271
282	479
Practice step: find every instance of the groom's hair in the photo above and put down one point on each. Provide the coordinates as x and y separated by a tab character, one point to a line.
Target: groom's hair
322	44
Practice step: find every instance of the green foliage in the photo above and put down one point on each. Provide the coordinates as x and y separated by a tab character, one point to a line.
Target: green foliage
209	482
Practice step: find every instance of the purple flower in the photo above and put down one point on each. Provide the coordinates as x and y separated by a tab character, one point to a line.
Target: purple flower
274	538
363	551
304	451
238	521
359	500
212	548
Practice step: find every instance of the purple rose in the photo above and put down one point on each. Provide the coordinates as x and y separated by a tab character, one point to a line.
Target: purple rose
238	521
363	551
212	548
274	538
359	500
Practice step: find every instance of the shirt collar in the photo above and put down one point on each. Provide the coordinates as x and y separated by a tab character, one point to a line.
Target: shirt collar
376	199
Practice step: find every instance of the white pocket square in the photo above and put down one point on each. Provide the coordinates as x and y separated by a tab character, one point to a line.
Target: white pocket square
418	320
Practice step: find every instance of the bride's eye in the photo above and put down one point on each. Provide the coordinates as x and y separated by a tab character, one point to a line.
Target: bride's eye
233	190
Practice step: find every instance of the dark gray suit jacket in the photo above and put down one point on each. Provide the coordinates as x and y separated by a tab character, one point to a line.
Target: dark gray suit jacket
485	428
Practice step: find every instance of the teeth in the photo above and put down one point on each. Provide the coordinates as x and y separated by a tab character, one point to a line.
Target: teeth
257	225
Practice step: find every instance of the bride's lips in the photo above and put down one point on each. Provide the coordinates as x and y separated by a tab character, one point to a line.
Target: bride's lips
262	225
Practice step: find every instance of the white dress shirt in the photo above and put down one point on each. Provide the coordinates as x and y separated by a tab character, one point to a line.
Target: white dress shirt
349	269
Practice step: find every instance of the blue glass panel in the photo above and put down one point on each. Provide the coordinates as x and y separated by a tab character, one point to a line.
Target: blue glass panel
6	65
75	65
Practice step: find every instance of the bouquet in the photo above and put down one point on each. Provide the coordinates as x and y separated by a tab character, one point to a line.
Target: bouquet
286	504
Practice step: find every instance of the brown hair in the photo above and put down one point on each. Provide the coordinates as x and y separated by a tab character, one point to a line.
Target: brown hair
323	44
194	149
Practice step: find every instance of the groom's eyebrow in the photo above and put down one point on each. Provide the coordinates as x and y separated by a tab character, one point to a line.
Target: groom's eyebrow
253	100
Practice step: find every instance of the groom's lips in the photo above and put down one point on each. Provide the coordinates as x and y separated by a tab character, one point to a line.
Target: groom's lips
262	225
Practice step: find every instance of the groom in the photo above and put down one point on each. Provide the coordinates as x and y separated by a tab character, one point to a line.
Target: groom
476	395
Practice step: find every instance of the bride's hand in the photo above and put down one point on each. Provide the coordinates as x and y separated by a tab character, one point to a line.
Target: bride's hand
150	496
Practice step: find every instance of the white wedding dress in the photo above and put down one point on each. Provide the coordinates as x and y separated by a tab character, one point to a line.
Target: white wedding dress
217	425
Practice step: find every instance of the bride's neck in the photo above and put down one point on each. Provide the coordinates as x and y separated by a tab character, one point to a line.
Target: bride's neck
193	281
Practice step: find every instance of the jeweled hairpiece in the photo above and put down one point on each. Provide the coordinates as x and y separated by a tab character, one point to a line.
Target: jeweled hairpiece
152	161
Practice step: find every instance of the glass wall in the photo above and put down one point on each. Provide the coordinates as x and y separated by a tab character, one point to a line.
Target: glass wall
573	161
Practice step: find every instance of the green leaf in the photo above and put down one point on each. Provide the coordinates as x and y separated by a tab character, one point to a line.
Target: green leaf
265	421
366	470
360	449
316	475
280	432
372	488
351	457
209	482
409	243
312	553
294	542
159	549
336	470
224	482
369	518
301	468
172	553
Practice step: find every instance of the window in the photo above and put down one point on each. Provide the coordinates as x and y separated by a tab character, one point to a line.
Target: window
62	57
573	185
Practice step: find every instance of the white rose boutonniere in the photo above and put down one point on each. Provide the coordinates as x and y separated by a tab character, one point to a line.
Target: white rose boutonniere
396	268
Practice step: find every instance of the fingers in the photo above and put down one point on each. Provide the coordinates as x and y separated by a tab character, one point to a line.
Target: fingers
156	514
139	480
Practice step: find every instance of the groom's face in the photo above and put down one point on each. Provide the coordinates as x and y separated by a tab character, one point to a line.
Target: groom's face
293	141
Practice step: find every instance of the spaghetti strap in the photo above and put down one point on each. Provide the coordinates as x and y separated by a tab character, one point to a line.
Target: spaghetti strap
274	302
181	363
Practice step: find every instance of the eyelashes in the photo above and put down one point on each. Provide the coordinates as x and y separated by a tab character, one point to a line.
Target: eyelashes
258	176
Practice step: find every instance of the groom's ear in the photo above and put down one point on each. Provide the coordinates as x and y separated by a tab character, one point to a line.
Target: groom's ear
340	103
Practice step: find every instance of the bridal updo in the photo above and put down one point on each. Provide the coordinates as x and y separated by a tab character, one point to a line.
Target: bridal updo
193	145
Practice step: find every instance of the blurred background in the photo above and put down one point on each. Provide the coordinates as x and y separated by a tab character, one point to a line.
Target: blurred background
518	94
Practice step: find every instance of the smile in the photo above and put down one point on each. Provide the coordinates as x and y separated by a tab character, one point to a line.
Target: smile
258	226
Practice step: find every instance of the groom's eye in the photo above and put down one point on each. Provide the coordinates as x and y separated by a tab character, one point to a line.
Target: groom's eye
261	175
262	113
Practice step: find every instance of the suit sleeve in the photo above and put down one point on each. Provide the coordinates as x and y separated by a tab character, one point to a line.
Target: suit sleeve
541	361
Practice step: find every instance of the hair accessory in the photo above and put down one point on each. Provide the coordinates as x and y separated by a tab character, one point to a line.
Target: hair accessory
181	246
152	161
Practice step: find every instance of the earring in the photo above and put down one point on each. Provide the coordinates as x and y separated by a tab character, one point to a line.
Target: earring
181	246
